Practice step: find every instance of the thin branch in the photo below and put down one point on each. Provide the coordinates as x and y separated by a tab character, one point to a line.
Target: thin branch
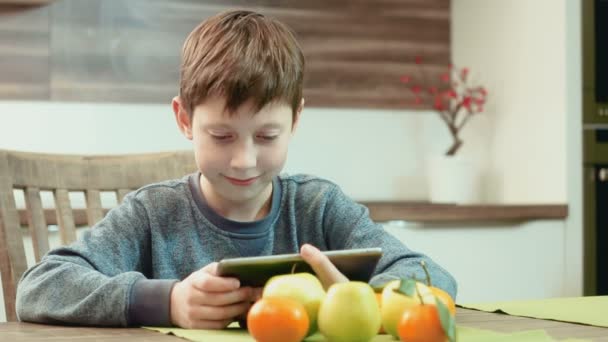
445	116
455	111
464	121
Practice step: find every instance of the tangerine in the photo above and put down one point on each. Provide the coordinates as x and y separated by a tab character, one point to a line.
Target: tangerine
445	298
421	323
277	319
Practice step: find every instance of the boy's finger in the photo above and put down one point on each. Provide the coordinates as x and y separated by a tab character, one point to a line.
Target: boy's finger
327	273
208	282
257	293
227	312
240	295
210	268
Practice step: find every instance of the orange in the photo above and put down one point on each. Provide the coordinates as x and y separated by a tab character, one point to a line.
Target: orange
277	319
421	323
445	298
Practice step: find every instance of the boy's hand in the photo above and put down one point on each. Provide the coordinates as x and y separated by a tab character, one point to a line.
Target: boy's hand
206	301
327	273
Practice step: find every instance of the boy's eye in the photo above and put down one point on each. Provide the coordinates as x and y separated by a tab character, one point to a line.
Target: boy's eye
267	137
221	137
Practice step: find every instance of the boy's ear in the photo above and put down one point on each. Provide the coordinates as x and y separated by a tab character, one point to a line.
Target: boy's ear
296	118
182	117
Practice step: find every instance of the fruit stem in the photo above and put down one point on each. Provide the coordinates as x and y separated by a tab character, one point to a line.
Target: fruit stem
426	271
419	296
293	268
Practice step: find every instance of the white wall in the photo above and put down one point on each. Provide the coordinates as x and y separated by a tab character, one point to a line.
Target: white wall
88	127
493	261
517	48
529	54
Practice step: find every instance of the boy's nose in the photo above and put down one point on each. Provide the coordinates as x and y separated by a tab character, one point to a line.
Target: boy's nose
244	157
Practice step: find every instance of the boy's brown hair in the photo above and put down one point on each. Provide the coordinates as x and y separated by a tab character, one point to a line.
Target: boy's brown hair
241	55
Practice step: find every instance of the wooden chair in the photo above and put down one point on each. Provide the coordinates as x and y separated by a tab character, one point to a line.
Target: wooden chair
62	174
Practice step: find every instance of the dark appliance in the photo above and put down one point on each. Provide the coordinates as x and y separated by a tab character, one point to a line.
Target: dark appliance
595	204
595	145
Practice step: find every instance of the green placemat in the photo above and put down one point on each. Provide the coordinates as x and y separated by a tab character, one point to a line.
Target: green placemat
464	334
585	310
467	334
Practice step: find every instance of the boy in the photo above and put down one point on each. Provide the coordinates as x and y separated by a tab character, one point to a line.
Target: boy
240	100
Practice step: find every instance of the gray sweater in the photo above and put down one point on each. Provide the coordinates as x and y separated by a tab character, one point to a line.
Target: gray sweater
120	272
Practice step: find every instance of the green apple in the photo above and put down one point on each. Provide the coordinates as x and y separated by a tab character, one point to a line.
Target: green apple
394	302
349	313
302	287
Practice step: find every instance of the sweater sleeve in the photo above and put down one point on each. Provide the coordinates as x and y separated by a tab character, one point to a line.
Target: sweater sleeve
347	225
99	279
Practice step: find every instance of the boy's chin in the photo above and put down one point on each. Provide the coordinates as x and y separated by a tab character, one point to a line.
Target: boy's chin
238	193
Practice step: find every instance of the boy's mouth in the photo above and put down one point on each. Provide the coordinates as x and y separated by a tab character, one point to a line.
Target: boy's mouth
241	182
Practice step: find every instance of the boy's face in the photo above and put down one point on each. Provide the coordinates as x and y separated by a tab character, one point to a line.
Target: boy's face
238	155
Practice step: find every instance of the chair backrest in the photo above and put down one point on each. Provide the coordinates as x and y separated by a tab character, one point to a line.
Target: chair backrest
62	174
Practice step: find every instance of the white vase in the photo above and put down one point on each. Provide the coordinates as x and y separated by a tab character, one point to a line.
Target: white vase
453	180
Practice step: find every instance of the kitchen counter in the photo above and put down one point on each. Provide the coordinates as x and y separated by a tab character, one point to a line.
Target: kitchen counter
429	212
381	211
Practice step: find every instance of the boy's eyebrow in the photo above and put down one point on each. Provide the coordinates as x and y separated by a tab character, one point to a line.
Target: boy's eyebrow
216	126
271	125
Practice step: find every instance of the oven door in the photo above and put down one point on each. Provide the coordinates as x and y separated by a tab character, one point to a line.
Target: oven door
601	223
595	208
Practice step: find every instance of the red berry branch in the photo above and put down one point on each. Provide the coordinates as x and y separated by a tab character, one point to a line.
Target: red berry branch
453	97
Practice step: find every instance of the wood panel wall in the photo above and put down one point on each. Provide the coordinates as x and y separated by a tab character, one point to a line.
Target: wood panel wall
128	50
24	53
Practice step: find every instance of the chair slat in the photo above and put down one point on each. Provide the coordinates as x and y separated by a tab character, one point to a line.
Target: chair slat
67	228
9	288
94	209
121	193
37	222
12	254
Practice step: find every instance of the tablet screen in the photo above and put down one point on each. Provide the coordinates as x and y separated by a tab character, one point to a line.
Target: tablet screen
355	264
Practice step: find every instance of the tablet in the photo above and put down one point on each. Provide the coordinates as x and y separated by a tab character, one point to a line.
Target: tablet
355	264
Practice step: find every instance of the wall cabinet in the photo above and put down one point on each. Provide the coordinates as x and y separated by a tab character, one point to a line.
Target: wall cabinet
128	51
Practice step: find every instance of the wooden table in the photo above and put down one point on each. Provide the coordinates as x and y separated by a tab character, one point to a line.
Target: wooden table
470	318
506	323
